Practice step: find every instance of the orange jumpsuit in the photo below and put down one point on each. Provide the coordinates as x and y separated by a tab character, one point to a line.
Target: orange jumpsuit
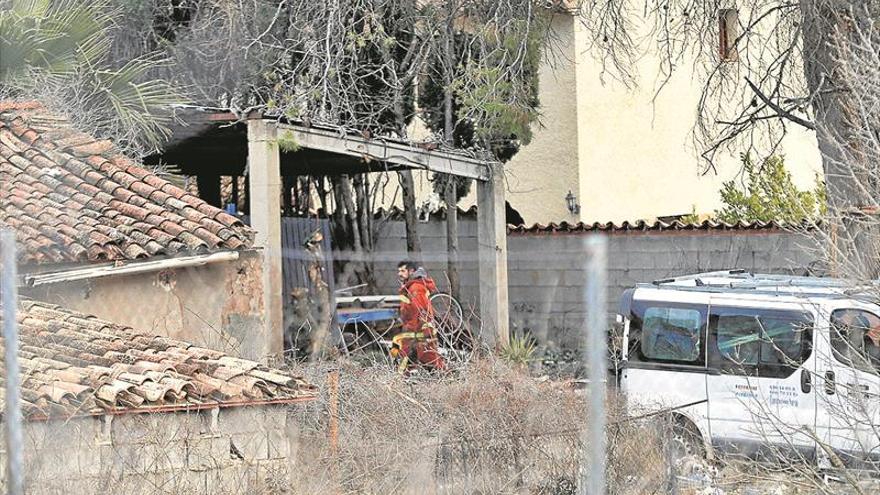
417	343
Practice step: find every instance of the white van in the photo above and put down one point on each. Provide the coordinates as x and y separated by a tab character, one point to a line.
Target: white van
757	364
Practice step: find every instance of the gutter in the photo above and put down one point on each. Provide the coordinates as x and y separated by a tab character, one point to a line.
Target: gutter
128	269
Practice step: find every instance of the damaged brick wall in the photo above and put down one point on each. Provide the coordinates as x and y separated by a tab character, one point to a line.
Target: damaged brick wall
218	305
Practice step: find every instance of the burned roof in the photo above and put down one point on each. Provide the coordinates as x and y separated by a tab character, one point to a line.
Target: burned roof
73	364
72	198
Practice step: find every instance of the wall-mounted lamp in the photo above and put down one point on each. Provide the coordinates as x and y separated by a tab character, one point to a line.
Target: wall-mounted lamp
572	203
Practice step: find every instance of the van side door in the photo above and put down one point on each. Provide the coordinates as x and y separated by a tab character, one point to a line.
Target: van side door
849	391
761	397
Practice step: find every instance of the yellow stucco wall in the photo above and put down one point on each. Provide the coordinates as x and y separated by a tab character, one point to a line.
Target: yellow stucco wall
637	156
626	154
542	173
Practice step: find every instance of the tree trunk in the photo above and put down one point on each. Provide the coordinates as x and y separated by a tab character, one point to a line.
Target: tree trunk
450	191
338	215
320	345
407	186
235	193
246	204
304	201
350	212
852	243
363	225
354	266
451	199
288	185
363	211
322	195
408	189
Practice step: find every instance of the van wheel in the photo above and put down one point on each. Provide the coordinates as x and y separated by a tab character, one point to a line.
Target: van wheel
686	442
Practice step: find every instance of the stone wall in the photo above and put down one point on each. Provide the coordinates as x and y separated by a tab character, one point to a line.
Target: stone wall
234	450
217	305
546	278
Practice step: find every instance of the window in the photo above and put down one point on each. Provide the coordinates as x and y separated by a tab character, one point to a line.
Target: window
757	341
728	24
671	334
855	338
667	333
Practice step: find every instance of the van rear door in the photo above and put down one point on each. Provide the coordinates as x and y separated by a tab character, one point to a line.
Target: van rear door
762	400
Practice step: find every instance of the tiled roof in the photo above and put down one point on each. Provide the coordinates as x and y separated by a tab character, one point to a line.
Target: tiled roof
71	198
395	213
74	364
656	226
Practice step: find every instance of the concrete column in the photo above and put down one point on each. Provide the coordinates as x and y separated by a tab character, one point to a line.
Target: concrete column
264	197
492	252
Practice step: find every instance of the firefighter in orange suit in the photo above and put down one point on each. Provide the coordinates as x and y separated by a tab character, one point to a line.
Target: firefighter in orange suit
416	344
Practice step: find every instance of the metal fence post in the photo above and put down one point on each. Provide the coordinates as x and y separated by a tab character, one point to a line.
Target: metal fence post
12	414
593	473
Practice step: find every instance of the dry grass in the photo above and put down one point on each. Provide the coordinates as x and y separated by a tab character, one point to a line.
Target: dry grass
485	429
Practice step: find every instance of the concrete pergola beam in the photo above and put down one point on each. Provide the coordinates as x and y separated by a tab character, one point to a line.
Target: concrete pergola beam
389	152
264	165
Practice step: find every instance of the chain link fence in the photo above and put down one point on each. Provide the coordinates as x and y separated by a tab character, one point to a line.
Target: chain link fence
521	419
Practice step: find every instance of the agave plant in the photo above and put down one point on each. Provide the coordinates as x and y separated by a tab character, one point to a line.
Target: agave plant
62	46
519	352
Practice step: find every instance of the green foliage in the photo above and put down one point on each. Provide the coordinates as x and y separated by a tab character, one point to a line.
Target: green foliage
692	218
56	37
288	143
769	195
502	106
520	351
63	46
494	86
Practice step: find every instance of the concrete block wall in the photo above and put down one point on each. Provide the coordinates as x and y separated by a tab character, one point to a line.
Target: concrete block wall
391	249
546	277
230	451
548	280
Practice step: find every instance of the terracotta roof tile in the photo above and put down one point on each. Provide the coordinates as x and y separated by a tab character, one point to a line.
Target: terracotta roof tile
75	364
655	226
57	181
611	227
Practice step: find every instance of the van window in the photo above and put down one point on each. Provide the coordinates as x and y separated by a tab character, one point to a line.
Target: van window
671	334
667	333
855	338
759	342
